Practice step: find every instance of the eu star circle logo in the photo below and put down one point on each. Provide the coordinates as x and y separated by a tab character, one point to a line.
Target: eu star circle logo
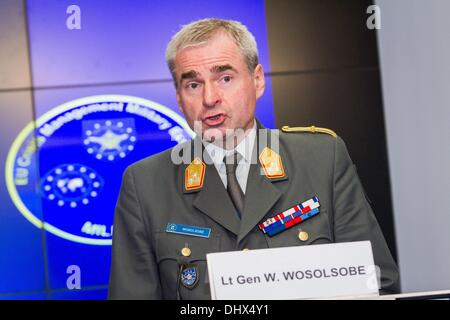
64	171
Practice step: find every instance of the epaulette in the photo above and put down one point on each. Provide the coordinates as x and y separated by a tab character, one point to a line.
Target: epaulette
311	129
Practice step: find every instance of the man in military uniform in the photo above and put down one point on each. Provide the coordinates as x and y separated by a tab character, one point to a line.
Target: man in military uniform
171	213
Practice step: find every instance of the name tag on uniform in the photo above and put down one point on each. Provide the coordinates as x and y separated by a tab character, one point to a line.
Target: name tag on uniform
188	230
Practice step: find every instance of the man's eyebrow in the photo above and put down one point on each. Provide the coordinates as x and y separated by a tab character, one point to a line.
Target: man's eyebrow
222	68
189	75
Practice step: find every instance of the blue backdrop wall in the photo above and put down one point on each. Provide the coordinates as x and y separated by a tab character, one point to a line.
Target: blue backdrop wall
78	106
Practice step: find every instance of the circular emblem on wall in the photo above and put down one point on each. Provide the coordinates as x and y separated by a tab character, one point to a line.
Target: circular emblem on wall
64	171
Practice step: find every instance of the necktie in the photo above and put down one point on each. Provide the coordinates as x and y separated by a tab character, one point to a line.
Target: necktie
233	188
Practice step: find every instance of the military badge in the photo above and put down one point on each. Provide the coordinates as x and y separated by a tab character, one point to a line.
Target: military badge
194	175
189	276
291	217
271	164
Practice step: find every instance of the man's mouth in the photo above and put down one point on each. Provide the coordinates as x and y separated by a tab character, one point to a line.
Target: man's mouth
214	120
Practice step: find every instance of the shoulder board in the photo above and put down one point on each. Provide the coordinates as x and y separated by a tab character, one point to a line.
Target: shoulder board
311	129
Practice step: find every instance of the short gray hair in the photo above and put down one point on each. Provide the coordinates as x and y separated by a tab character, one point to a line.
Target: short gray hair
202	30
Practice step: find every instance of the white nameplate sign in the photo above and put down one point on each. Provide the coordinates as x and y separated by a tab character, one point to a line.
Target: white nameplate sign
302	272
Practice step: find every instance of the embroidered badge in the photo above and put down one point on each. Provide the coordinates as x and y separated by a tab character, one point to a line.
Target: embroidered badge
189	276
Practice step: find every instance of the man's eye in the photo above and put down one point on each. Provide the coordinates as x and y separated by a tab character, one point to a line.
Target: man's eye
226	79
193	85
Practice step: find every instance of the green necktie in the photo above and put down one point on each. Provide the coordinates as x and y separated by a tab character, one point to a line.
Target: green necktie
233	188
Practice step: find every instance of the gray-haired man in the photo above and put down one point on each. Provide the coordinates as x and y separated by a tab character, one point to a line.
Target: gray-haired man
164	205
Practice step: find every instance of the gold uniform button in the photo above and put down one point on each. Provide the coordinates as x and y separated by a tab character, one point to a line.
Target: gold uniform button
186	252
303	236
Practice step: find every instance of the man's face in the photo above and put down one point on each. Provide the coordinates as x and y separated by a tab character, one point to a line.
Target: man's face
216	88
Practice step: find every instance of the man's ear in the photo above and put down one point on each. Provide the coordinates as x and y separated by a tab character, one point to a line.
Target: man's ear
259	80
179	101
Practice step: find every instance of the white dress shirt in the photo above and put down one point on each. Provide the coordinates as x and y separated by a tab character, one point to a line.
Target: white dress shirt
244	148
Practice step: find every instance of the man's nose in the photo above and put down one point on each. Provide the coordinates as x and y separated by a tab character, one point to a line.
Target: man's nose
211	95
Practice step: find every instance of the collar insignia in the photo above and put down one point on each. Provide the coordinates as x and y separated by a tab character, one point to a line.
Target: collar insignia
194	175
271	163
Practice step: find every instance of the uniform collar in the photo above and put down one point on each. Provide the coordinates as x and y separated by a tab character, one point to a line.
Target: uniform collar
212	199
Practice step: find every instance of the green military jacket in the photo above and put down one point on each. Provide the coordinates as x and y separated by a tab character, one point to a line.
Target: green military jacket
146	259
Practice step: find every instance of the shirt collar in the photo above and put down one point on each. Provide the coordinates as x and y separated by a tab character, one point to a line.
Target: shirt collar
244	148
